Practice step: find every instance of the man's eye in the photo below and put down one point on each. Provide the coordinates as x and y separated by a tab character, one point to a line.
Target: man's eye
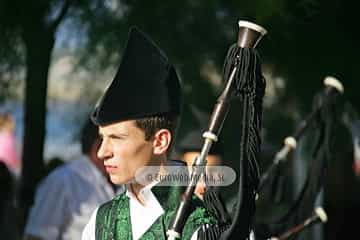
116	137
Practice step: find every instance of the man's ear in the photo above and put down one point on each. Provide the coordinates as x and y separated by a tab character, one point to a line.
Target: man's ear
161	141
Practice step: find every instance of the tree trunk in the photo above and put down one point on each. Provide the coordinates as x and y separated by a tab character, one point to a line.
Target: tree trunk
39	42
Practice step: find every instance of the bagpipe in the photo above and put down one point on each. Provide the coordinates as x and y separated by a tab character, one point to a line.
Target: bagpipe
332	88
319	216
244	81
321	123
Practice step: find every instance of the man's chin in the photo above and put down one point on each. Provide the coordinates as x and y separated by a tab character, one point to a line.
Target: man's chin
120	180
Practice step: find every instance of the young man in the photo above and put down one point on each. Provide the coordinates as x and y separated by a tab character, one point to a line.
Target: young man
137	119
67	196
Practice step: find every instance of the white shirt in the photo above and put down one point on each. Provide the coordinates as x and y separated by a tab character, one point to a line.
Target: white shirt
65	200
142	215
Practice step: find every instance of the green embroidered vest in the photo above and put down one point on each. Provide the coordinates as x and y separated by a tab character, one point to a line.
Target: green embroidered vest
113	218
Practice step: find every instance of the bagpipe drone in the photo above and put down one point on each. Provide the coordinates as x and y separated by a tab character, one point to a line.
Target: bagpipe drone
244	82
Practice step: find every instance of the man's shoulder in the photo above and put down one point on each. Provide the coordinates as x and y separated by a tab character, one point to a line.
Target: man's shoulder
198	216
107	213
200	212
111	203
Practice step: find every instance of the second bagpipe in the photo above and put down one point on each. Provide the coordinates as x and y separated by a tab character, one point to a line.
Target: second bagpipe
317	128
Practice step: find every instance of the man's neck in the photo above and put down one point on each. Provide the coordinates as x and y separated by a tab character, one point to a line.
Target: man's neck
135	187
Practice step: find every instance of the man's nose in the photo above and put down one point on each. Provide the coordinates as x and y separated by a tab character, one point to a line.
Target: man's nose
104	151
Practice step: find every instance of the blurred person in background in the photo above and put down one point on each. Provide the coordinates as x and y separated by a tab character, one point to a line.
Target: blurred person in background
8	149
66	198
52	164
190	147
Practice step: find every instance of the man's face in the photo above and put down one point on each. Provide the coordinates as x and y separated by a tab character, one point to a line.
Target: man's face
124	150
94	158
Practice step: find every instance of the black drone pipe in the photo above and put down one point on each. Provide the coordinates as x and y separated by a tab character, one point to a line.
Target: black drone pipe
319	216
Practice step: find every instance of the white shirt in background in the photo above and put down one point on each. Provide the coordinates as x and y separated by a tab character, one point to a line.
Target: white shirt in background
65	200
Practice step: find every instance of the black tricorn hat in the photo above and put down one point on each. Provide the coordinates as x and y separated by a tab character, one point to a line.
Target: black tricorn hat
146	84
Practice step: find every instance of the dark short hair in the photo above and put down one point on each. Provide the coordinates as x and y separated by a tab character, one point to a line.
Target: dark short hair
89	135
154	123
